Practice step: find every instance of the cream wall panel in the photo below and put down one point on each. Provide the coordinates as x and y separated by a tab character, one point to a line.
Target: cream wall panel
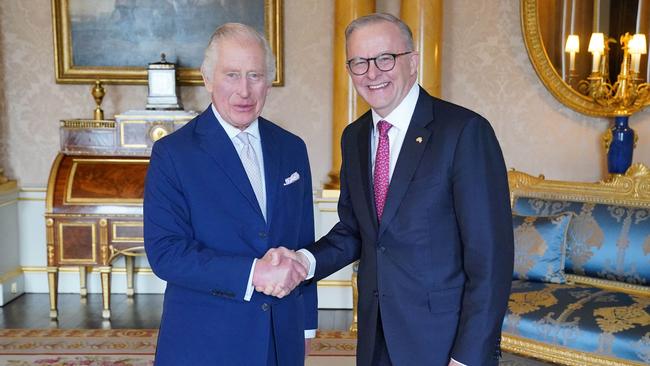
11	284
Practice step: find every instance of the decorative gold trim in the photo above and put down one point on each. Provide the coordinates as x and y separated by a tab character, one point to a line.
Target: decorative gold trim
30	199
548	75
10	275
49	234
558	354
99	201
49	197
103	241
75	269
67	72
129	252
87	123
33	189
609	285
334	283
125	239
93	242
69	215
3	204
631	189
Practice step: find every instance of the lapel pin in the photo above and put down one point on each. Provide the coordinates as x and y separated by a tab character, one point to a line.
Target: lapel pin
418	140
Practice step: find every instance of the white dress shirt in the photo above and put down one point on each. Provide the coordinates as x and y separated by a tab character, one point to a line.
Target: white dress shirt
255	139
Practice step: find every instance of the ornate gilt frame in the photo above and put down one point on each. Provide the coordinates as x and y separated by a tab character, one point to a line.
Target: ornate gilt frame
67	72
631	189
547	74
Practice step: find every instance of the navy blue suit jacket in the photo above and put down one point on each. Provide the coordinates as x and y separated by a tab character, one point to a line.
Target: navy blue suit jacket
439	264
203	228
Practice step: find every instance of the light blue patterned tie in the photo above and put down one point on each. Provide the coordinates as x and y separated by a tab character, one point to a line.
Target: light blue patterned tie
252	168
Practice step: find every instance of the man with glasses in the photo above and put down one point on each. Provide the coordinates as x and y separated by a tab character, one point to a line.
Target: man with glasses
424	205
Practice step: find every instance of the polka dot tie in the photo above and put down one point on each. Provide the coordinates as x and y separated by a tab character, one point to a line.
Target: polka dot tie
382	167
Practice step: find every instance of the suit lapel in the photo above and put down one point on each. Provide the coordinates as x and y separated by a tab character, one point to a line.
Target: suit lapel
215	142
272	158
415	142
364	169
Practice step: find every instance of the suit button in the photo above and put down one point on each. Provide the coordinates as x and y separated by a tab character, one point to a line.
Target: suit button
265	307
381	249
262	234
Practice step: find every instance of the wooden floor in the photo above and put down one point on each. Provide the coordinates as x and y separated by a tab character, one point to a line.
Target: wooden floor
141	312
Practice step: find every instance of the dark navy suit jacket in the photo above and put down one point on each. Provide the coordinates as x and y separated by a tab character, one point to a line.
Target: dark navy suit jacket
439	264
203	228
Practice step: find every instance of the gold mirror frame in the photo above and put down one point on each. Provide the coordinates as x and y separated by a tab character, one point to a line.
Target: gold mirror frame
548	75
68	73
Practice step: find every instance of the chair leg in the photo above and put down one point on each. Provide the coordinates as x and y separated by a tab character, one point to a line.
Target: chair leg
53	284
83	291
355	299
130	266
106	291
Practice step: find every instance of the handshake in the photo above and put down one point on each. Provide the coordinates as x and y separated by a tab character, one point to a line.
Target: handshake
280	271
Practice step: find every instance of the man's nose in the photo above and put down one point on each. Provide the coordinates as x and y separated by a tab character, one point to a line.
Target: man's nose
243	89
373	71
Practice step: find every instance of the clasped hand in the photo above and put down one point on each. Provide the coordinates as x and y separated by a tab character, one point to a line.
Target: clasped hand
279	272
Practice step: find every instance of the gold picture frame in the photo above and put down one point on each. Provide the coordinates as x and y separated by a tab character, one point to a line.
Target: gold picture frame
88	70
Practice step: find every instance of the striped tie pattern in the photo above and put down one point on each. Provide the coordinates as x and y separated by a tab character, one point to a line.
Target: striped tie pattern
382	168
252	168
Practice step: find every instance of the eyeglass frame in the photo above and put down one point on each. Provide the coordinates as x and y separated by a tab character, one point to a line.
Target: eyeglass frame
374	60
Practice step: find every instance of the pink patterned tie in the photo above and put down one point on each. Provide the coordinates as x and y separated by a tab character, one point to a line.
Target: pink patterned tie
382	167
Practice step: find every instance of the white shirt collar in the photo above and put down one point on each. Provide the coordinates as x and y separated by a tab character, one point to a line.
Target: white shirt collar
253	129
400	117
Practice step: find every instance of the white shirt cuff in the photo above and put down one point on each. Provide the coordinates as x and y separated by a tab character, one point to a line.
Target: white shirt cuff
459	364
310	333
312	263
249	287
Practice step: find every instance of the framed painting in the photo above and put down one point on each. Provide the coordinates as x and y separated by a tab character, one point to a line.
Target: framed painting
114	40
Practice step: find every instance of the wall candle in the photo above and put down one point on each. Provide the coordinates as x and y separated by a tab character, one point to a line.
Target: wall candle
636	61
595	62
572	60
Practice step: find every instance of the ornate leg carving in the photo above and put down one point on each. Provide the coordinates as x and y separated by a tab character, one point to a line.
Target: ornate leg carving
52	269
83	291
106	291
52	281
105	269
130	265
355	299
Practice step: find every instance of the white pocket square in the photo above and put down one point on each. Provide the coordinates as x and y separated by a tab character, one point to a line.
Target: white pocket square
292	178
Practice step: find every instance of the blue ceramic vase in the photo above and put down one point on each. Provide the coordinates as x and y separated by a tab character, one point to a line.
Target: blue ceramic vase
619	156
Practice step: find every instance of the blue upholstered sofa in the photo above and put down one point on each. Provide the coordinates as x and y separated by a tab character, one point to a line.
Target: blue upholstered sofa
581	293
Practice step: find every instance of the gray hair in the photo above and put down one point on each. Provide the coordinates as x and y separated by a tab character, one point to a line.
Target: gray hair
378	18
234	30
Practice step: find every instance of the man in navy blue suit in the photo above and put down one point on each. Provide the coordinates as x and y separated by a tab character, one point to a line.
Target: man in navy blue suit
219	193
424	205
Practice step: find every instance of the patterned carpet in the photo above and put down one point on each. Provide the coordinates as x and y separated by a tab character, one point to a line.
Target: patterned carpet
129	347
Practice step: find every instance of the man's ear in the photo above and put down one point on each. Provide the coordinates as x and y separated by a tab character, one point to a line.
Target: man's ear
414	61
206	82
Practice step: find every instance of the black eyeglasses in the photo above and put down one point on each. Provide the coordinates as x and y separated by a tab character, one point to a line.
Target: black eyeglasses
384	62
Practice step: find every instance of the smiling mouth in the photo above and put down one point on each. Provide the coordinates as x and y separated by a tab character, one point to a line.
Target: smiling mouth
378	86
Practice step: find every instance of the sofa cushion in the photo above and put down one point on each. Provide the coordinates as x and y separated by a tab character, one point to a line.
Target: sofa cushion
604	241
581	317
540	243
